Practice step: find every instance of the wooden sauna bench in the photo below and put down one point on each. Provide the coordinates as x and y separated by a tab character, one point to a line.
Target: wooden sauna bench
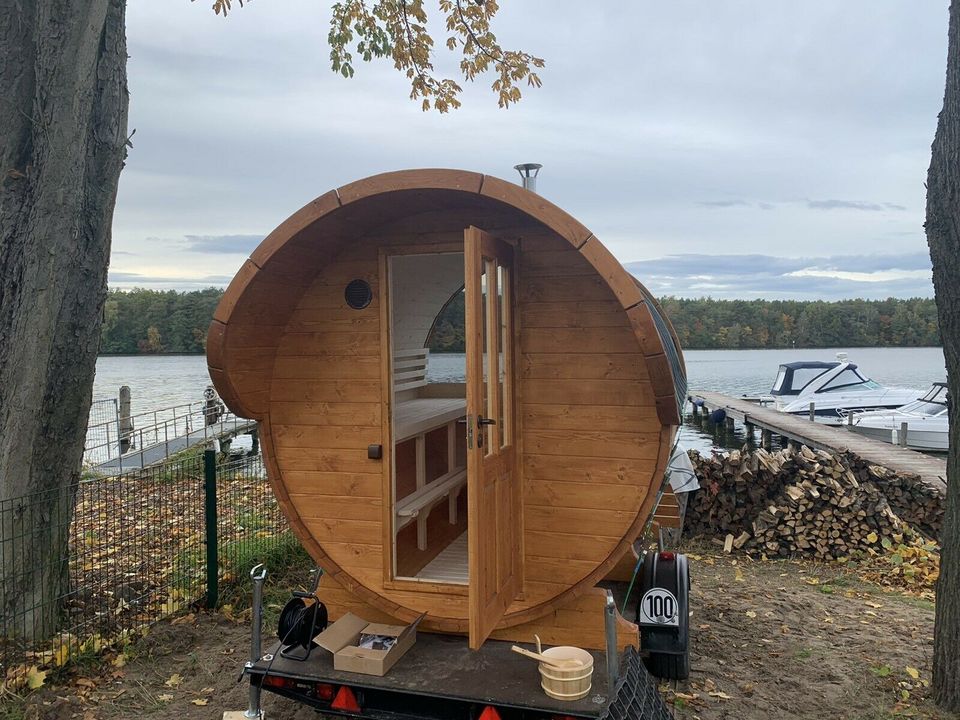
413	418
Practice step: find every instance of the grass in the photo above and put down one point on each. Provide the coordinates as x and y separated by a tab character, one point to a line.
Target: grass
12	708
287	566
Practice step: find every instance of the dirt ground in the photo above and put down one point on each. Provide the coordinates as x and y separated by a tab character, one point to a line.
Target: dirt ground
772	639
791	639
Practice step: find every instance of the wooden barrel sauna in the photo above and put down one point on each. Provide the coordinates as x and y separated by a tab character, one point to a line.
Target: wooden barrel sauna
491	490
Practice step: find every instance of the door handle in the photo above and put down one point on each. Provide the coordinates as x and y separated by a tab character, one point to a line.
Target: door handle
481	421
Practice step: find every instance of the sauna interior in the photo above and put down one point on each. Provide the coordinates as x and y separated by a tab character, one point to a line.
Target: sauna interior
493	492
429	419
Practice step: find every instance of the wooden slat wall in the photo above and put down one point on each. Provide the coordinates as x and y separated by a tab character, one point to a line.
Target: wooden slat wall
588	418
325	409
586	413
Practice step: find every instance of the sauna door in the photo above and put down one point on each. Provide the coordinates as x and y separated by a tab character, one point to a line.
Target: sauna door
493	491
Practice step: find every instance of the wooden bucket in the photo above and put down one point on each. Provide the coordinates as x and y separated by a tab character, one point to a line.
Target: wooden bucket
567	683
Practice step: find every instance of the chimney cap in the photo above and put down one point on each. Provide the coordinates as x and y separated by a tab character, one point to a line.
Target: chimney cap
528	169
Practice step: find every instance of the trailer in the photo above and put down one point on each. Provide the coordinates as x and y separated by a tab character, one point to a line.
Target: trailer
441	678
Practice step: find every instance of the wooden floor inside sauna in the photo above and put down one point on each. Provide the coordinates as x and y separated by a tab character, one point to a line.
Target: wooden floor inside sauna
450	566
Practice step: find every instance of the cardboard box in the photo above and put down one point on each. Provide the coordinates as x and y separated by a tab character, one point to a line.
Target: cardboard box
341	639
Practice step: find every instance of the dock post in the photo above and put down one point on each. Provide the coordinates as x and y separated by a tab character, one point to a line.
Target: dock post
748	429
694	411
813	411
903	434
125	422
766	438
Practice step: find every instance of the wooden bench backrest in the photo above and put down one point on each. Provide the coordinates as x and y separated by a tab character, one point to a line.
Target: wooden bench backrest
410	369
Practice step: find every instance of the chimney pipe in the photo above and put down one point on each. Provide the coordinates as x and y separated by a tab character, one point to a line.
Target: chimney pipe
528	171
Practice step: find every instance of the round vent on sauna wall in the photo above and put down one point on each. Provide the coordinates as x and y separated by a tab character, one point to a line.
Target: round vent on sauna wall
358	294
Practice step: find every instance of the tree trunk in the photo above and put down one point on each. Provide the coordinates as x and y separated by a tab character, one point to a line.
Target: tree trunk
63	114
943	237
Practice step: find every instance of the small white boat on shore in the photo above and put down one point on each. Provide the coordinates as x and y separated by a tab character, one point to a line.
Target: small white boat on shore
834	388
927	422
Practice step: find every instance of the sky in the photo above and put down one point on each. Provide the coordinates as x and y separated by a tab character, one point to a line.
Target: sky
737	149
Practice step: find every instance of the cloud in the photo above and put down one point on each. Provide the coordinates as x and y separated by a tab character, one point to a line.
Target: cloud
851	205
229	244
814	103
121	279
723	203
765	276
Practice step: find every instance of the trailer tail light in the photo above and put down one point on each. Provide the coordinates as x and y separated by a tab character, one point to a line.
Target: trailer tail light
345	700
323	691
489	713
667	556
278	682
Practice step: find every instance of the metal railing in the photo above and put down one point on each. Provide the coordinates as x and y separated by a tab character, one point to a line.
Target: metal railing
119	444
91	565
103	431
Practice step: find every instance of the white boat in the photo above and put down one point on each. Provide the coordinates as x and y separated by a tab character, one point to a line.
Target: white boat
835	388
928	425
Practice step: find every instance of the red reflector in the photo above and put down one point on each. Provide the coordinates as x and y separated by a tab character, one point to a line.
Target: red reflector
280	682
323	691
667	556
489	713
345	700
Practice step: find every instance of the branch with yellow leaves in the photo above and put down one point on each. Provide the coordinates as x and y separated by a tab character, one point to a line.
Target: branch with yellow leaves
398	29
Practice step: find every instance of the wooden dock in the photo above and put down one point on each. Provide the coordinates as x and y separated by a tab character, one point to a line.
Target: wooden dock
831	438
159	451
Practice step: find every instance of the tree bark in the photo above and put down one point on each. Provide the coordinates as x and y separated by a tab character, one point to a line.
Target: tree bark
63	114
943	238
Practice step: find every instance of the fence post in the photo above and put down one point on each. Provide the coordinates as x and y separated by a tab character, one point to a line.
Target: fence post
210	522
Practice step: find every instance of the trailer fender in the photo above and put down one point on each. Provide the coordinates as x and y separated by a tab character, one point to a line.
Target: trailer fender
663	614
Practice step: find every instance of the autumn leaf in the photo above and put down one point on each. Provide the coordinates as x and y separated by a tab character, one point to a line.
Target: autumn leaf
35	677
166	697
751	614
871	538
199	702
913	672
173	681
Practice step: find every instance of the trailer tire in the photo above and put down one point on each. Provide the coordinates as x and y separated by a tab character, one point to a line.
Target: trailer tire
668	667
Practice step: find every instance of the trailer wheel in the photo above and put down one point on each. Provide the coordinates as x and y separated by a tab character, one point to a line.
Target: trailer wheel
663	615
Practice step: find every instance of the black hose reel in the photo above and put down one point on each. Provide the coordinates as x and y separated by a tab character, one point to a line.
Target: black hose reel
301	619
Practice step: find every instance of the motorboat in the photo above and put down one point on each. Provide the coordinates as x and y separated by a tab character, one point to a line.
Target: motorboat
834	389
927	422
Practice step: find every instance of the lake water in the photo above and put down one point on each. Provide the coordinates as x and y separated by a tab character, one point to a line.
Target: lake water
165	380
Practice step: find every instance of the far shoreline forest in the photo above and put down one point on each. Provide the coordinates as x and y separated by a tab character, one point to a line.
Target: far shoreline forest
173	322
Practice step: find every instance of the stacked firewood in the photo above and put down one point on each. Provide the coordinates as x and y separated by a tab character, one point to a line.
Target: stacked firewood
791	502
919	502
